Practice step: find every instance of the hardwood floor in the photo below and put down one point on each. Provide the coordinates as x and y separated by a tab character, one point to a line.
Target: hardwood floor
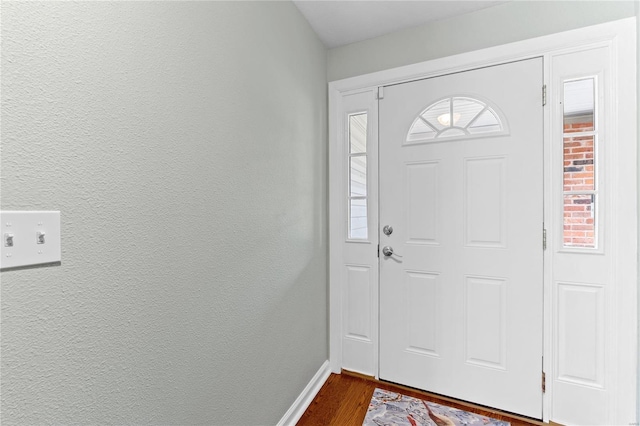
344	399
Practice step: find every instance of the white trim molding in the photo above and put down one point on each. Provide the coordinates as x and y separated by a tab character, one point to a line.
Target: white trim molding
618	38
300	405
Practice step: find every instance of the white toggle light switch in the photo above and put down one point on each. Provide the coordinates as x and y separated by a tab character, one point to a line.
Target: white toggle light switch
29	238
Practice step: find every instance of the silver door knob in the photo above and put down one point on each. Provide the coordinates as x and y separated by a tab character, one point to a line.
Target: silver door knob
387	251
387	230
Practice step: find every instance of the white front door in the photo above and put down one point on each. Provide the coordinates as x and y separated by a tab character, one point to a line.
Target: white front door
461	185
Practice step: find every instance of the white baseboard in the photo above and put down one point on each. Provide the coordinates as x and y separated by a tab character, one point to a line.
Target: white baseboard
301	403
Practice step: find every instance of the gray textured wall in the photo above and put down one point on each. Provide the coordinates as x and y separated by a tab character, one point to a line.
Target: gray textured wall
184	144
505	23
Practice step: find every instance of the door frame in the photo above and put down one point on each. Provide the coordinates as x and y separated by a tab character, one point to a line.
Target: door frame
619	36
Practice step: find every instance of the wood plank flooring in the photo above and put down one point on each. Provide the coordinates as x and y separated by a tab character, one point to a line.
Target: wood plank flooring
344	399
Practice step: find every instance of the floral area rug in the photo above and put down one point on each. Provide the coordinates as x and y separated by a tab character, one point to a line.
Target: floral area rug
394	409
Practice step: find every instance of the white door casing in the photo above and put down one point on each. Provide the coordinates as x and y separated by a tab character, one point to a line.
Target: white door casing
617	398
461	298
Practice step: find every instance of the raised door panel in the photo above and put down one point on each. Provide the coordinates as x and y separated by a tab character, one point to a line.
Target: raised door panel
485	322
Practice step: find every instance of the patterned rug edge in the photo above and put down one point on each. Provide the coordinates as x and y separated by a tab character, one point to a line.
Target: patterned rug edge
388	408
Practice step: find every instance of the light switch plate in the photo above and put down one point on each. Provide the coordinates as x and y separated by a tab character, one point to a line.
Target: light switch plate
29	238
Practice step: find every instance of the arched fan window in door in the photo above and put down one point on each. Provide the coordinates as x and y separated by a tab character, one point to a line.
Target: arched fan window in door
456	117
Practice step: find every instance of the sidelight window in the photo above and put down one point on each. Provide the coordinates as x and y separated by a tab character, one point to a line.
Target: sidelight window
357	203
580	140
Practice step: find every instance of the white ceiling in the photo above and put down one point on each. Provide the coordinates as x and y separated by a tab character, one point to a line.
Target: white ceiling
342	22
